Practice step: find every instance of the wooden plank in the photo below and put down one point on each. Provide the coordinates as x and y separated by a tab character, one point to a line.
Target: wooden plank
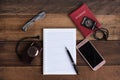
12	25
109	49
34	73
60	6
8	55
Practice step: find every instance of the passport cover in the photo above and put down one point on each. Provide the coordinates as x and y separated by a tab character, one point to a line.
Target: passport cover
77	17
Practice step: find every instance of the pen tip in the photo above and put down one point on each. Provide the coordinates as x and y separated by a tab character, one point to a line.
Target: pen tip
66	48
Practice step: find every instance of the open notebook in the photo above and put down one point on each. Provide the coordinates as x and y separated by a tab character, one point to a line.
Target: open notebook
55	58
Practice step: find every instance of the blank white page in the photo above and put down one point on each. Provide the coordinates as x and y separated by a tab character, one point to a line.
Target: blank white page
55	57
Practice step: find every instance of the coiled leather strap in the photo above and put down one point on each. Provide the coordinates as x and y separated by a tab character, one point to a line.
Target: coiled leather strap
18	44
103	31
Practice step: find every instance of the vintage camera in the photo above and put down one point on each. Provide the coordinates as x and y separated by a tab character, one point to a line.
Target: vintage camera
30	51
88	23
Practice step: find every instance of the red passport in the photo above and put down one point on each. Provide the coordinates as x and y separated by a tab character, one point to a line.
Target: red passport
77	17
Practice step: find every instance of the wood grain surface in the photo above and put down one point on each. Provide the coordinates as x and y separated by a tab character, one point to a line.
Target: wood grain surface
12	25
15	13
34	73
8	56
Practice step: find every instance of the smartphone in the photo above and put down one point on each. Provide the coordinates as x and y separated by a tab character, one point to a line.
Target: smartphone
90	54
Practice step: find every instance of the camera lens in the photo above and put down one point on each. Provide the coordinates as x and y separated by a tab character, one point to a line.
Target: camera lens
33	51
88	23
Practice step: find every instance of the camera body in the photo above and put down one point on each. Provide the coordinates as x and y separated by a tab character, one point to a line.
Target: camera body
88	23
29	53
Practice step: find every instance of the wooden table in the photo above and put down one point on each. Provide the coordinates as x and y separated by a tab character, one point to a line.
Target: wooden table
14	14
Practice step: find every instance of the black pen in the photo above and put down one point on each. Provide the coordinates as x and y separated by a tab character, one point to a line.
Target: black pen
72	61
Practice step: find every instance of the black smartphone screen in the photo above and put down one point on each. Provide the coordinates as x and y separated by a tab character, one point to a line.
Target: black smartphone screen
90	53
